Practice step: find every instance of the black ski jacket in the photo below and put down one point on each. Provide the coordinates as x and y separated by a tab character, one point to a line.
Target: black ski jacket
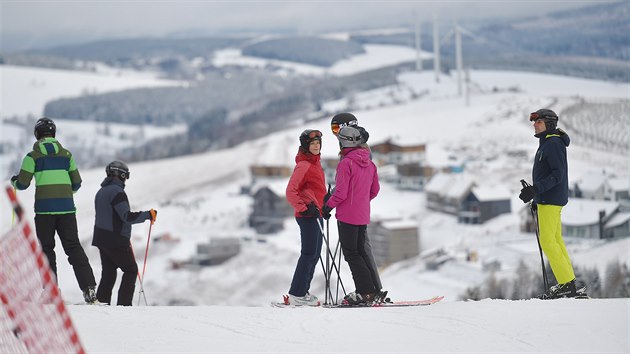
112	227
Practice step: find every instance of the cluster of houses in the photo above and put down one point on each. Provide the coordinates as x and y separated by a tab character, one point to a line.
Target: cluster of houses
598	207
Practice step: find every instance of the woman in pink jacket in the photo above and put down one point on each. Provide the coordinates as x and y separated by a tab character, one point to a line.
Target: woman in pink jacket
305	192
356	185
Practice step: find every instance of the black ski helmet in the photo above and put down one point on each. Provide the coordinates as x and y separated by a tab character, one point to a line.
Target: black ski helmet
119	169
349	137
342	120
550	118
44	127
308	136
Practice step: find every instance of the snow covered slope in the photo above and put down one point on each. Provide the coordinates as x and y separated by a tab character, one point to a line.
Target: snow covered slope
488	326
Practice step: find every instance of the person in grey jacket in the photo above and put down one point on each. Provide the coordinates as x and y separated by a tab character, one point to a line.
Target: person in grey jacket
112	234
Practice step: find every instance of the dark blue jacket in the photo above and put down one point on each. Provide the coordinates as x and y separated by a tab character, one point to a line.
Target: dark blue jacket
112	227
550	168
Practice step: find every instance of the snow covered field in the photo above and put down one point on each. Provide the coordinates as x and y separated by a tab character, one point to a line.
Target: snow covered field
487	326
375	56
198	198
25	90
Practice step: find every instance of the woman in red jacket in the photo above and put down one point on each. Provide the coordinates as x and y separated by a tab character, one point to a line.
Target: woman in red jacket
305	192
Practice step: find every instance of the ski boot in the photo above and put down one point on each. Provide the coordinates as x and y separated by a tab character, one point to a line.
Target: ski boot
356	299
89	295
566	290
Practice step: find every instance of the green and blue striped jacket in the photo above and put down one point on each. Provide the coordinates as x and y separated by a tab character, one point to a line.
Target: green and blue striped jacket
56	177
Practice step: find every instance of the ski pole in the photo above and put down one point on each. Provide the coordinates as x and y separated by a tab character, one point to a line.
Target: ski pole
334	265
334	256
139	280
12	209
328	269
146	252
338	262
326	275
535	218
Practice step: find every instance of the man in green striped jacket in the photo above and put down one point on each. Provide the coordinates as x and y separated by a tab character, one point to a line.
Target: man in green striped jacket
56	179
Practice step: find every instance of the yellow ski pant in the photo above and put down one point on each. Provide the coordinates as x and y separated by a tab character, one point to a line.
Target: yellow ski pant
550	230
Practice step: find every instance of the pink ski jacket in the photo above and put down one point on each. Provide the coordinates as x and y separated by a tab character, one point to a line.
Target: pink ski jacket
356	185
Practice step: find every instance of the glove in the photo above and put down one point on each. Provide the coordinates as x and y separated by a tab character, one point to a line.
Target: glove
14	181
311	210
326	197
153	214
326	211
527	193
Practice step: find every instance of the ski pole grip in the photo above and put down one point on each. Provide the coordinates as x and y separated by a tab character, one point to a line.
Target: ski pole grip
523	183
153	214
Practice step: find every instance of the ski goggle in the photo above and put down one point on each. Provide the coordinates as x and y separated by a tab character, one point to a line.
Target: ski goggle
536	116
315	134
336	127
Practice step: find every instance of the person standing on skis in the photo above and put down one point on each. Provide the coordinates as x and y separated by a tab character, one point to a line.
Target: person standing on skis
305	193
57	178
112	234
356	185
344	120
550	191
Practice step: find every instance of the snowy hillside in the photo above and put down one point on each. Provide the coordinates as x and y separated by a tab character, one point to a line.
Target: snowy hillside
30	90
198	196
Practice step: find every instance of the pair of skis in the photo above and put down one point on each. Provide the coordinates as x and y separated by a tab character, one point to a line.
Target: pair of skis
412	303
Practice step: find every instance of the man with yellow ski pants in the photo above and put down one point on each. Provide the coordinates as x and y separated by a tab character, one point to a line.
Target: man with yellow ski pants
550	192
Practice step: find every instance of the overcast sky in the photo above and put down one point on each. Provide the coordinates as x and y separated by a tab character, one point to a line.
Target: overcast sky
27	24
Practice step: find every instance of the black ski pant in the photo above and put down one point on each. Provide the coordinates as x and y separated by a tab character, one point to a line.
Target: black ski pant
371	263
111	260
65	225
353	240
311	236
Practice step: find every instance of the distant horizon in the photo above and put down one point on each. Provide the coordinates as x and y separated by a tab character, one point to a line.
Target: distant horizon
38	25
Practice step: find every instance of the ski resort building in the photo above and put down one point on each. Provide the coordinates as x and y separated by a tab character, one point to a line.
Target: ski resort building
388	153
270	207
459	195
483	204
394	240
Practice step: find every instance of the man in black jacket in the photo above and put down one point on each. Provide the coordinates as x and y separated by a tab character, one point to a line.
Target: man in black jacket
112	234
550	192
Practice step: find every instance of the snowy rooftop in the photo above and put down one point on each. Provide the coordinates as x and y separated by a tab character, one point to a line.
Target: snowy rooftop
487	193
618	219
438	183
582	212
619	183
591	181
459	186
